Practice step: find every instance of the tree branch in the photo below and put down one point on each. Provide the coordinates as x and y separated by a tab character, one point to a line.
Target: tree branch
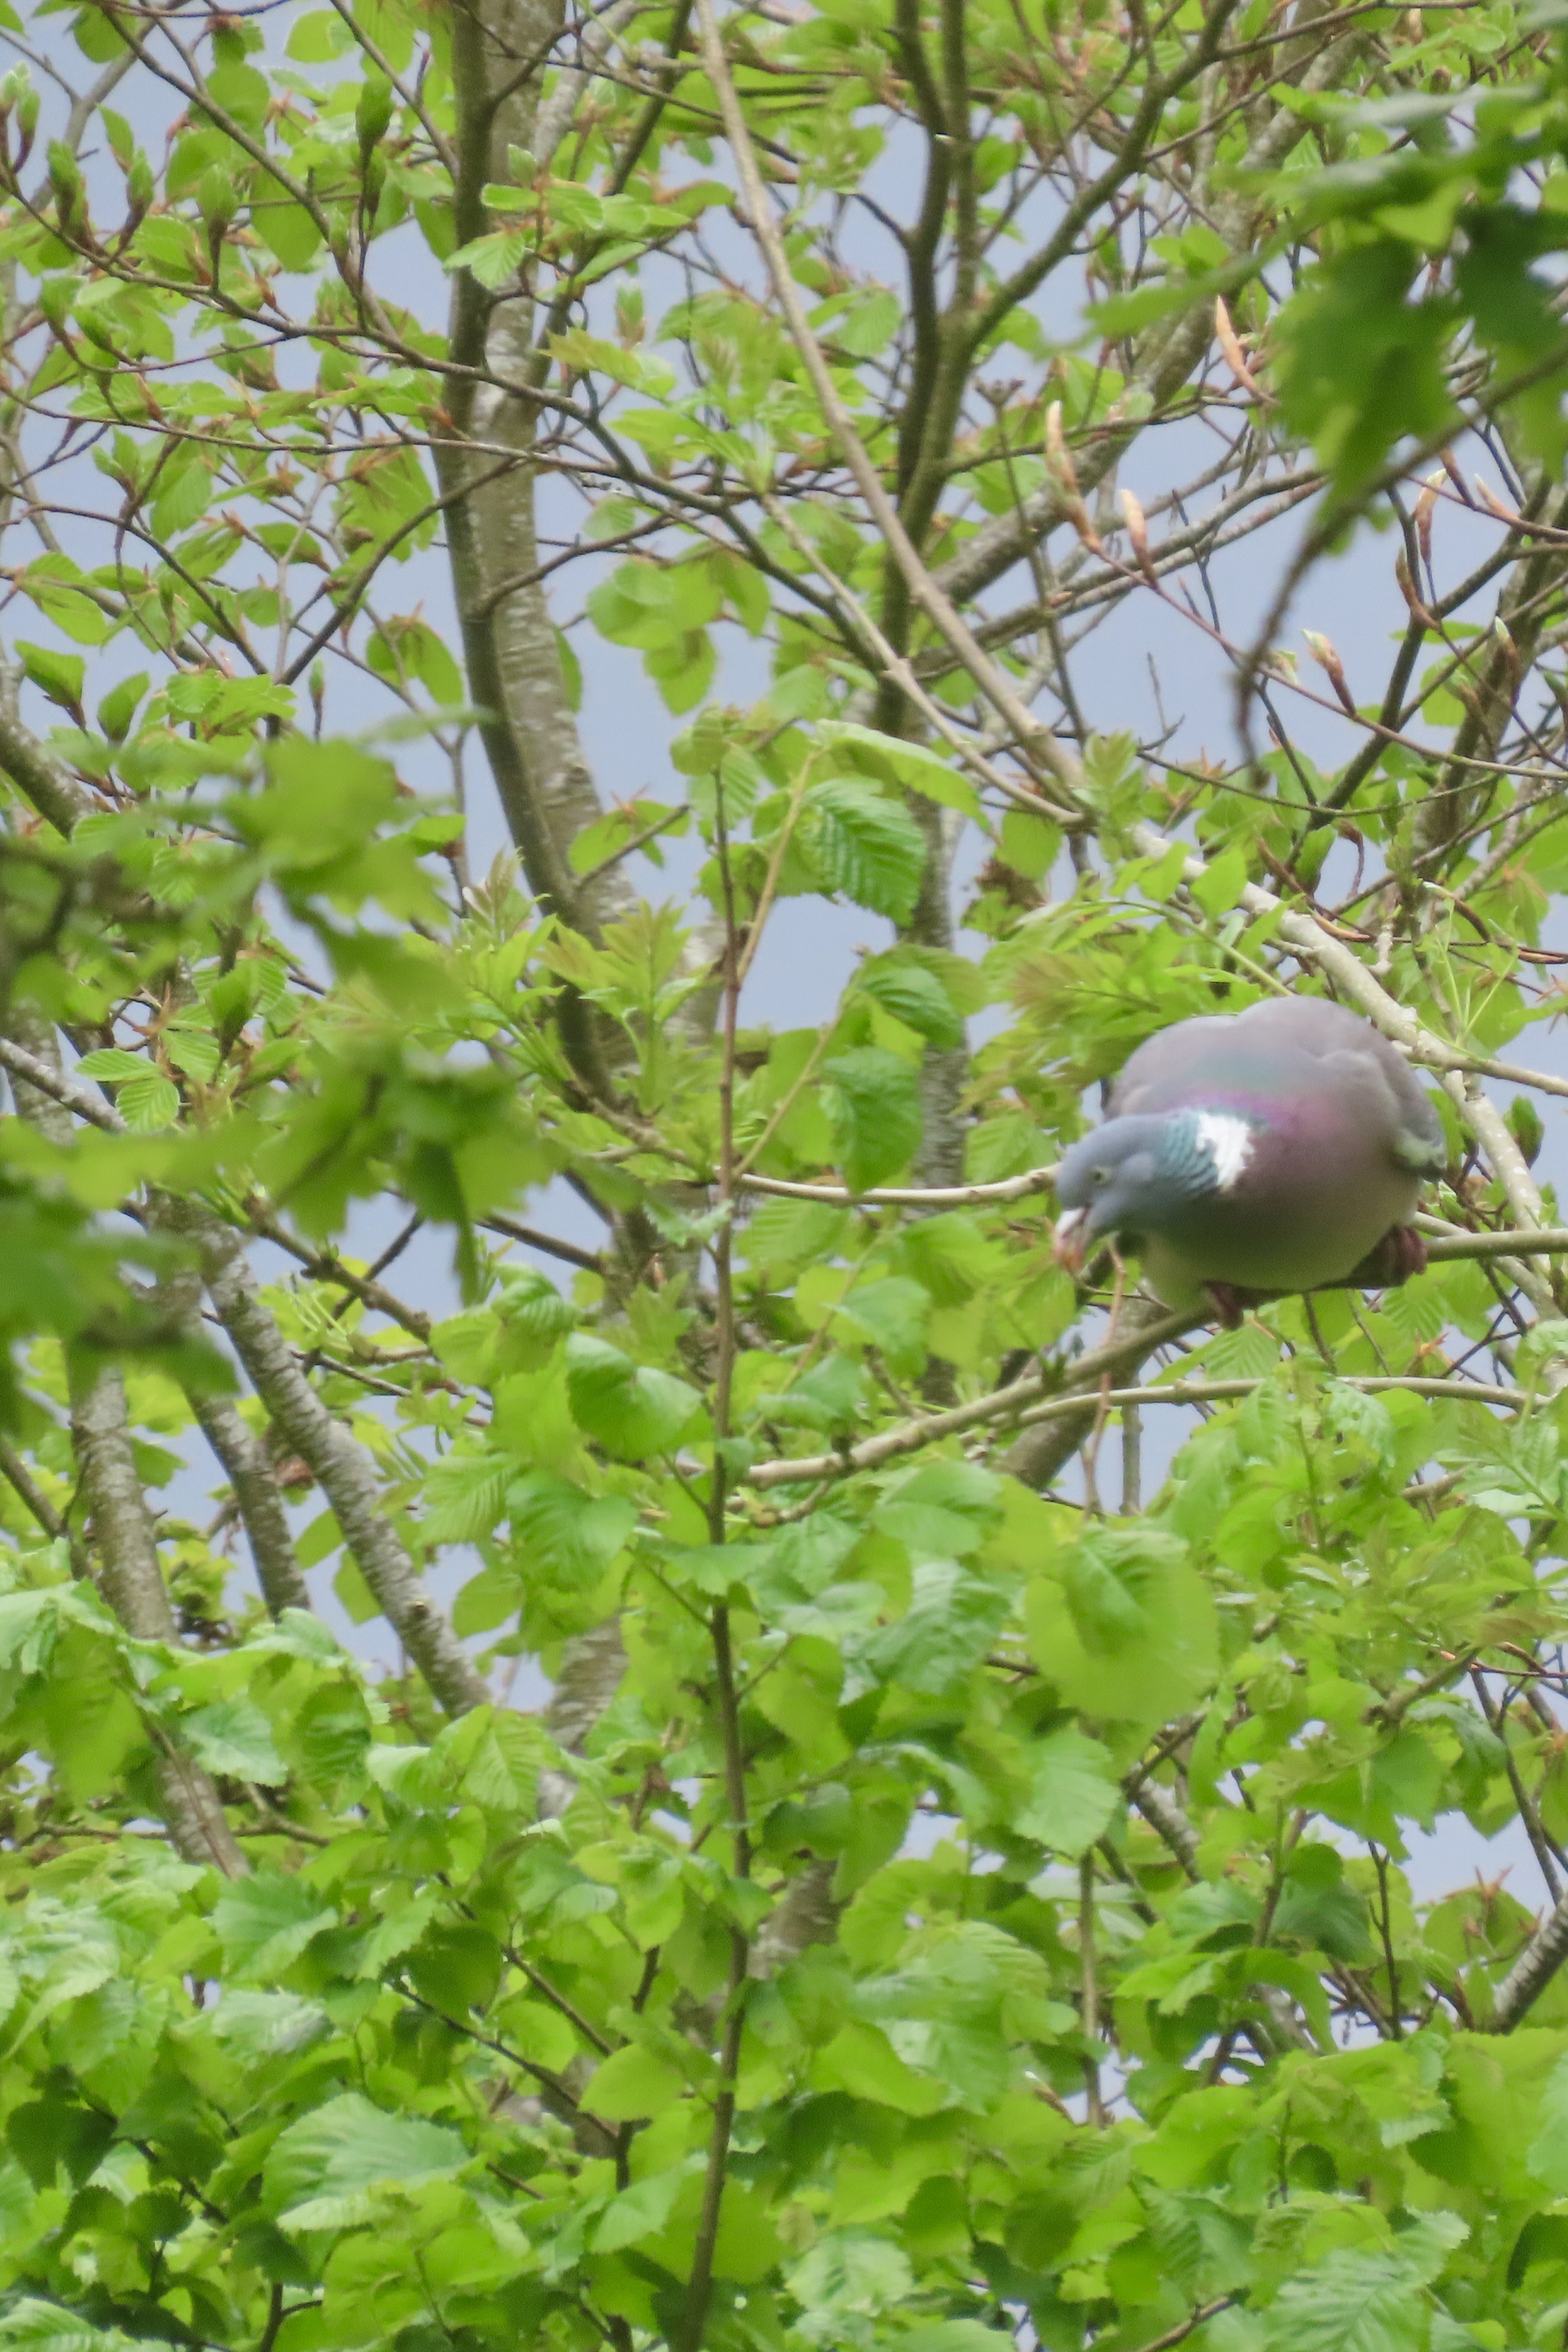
345	1468
123	1536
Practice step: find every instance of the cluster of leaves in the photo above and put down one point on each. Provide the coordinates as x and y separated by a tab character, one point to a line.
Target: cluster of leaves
934	1903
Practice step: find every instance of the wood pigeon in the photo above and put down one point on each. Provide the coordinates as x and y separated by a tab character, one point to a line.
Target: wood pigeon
1243	1154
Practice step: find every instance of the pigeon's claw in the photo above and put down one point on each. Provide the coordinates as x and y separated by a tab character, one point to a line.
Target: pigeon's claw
1228	1302
1400	1253
1410	1251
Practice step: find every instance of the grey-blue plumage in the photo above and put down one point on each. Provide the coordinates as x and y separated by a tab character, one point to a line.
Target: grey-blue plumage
1276	1149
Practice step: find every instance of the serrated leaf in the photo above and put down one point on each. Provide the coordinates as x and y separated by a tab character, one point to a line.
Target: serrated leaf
320	2170
492	259
1548	2157
639	2211
573	1535
914	996
464	1496
267	2024
233	1737
1073	1795
264	1921
34	2326
112	1062
952	1619
875	1107
1362	2299
918	767
148	1101
867	845
631	1410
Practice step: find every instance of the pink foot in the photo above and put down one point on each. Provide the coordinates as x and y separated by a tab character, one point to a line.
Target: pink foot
1228	1302
1400	1253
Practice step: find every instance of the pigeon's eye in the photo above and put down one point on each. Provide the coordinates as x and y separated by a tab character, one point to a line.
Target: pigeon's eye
1101	1175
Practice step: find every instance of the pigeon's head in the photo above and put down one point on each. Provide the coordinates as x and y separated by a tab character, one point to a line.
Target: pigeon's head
1134	1176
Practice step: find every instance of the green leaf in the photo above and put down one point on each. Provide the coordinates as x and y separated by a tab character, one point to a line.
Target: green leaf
915	996
628	1409
324	799
1548	2157
861	2059
112	1062
1362	2300
632	2083
465	1495
1123	1625
918	769
34	2326
952	1619
264	1921
573	1535
234	1737
60	676
1360	364
320	2170
639	2211
148	1101
492	259
867	845
876	1112
1073	1795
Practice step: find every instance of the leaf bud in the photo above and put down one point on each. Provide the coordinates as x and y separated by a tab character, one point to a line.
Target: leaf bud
140	188
26	121
1235	357
1525	1125
372	112
1327	661
218	199
1132	515
66	182
1058	456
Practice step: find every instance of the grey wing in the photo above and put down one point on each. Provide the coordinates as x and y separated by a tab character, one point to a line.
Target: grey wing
1162	1073
1282	1046
1419	1142
1364	1060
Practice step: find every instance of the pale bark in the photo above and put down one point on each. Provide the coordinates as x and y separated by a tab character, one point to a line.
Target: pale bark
123	1556
591	1667
1039	1455
345	1467
257	1501
36	773
346	1470
500	52
806	1913
248	1463
1532	1972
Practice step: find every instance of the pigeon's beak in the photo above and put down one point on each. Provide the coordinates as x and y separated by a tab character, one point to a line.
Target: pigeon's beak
1071	1241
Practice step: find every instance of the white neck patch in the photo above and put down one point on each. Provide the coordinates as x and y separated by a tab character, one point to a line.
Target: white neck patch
1228	1143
